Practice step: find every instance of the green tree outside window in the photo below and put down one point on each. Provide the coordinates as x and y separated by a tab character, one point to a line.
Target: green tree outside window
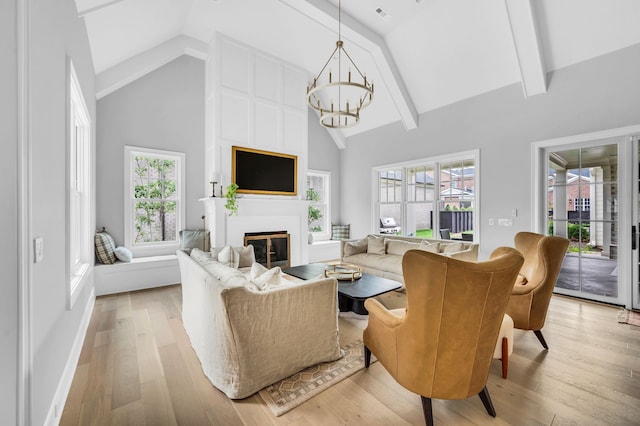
155	199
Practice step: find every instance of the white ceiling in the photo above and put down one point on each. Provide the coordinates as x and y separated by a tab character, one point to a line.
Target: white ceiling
425	55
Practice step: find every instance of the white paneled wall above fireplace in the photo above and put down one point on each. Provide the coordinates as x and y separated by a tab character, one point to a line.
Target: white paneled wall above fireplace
254	100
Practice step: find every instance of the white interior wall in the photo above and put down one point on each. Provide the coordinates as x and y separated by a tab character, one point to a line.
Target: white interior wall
324	155
598	94
55	33
8	213
162	110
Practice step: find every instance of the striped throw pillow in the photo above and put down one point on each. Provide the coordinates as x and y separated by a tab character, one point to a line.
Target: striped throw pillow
105	247
340	232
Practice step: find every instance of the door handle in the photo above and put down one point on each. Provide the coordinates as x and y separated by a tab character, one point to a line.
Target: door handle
634	237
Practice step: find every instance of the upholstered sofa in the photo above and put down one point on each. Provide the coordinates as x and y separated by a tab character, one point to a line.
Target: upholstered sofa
246	337
381	255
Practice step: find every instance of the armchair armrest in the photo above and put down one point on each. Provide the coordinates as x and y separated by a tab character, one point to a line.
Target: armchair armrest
382	314
519	289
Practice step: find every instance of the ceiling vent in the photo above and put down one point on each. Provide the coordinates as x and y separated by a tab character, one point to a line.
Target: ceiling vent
383	13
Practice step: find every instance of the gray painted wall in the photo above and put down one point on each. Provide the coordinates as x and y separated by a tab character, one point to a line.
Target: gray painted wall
324	155
598	94
9	214
162	110
55	32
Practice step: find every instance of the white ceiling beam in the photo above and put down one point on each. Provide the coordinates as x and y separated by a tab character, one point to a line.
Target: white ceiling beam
85	7
125	72
524	31
326	14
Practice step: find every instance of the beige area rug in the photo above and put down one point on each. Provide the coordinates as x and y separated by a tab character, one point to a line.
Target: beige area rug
288	393
626	316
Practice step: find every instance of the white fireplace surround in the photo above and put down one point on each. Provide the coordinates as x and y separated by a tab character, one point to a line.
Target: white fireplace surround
259	215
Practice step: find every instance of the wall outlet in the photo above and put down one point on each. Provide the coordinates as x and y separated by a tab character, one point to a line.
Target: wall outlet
38	249
492	221
505	222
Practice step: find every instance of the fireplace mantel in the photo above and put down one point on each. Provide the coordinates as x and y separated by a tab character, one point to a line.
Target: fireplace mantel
259	215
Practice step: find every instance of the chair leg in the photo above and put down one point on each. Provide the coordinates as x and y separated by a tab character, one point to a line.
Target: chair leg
367	357
540	337
486	400
505	357
426	409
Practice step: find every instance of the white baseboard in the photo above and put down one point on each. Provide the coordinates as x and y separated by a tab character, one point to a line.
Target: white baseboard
62	391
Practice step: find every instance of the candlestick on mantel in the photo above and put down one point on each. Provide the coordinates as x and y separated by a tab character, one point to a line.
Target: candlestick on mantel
213	188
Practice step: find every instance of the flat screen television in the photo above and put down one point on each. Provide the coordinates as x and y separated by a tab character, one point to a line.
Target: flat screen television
264	172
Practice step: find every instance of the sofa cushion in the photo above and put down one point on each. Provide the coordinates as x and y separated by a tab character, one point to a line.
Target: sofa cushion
452	248
430	247
355	247
375	244
227	275
380	262
399	247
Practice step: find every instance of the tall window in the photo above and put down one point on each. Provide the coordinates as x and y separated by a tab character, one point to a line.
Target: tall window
78	188
155	209
422	197
319	214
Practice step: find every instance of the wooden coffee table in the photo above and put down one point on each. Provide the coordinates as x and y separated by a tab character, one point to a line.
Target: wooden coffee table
351	294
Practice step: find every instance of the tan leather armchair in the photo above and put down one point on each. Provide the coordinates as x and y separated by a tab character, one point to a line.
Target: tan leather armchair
532	291
442	344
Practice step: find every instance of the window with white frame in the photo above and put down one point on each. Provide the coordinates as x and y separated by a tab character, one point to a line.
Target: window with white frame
78	188
154	207
420	198
582	204
319	214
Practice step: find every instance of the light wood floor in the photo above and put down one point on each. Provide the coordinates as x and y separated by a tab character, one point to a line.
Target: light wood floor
137	367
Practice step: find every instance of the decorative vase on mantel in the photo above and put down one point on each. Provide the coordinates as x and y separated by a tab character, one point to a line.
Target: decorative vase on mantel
310	238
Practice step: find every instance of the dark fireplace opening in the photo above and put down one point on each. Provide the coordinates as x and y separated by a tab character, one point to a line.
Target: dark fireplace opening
271	248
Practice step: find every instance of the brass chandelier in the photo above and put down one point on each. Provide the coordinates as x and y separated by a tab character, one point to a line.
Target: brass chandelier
351	96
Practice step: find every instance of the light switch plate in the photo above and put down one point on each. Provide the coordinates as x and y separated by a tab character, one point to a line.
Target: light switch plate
38	249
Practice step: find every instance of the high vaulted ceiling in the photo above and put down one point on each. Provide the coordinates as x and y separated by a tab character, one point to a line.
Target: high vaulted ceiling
423	55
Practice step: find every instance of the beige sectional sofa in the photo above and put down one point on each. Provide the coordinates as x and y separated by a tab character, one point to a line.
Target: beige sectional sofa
248	337
381	255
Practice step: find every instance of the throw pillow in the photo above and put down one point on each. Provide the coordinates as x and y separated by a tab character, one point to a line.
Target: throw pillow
264	278
452	248
105	247
246	256
227	256
430	247
257	269
123	254
194	238
355	247
202	256
340	232
375	244
399	247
